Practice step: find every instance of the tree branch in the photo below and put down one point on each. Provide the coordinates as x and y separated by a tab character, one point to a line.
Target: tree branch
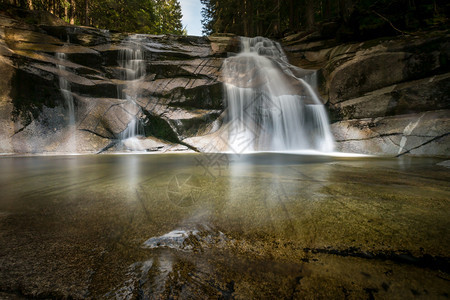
390	23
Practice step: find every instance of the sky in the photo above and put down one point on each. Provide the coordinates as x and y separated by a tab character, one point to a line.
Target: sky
192	17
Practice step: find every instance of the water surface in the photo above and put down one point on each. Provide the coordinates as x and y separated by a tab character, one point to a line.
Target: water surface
250	226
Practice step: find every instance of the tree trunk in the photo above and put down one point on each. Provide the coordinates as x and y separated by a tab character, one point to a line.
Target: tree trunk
342	9
66	12
251	30
327	9
345	7
244	16
258	31
277	26
86	12
72	12
309	14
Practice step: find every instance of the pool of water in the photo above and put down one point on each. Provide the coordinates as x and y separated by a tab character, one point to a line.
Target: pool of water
219	225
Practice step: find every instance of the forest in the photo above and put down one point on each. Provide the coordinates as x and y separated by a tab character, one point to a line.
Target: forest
343	19
139	16
353	18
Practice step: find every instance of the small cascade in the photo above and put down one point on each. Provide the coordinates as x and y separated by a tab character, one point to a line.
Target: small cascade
272	105
66	91
133	69
130	136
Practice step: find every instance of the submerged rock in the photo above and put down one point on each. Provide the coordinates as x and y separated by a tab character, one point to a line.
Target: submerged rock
187	239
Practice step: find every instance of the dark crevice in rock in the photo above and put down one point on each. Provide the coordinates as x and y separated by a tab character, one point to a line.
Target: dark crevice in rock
20	130
396	134
400	256
159	128
370	138
392	141
425	143
95	133
109	146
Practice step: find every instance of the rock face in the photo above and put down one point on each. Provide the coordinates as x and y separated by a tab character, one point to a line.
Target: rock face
164	93
176	95
388	96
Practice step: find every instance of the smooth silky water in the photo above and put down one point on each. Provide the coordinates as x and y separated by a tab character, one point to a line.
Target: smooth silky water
270	104
263	225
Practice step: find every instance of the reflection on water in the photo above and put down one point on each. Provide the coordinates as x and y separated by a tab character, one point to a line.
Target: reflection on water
222	225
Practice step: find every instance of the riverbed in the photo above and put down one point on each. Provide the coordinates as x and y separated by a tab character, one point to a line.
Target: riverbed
263	225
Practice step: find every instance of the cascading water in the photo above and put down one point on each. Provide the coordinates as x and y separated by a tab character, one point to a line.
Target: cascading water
66	91
131	61
271	105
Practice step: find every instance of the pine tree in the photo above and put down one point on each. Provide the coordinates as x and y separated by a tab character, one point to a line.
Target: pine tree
169	15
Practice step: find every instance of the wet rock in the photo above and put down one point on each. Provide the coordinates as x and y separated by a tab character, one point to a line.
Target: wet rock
445	163
391	79
427	134
431	93
187	239
221	44
179	96
149	144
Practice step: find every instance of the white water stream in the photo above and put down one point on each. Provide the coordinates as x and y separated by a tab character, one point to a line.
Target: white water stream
271	106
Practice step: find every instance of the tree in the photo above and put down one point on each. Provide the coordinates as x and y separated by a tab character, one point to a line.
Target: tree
357	19
208	16
168	16
141	16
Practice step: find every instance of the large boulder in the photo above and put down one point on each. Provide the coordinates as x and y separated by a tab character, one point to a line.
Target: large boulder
388	96
374	66
423	134
431	93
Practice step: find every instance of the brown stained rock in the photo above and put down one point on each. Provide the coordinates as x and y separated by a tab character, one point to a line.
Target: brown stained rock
106	117
221	44
43	58
50	48
27	36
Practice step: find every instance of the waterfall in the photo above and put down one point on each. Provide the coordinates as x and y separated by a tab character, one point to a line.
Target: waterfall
66	91
133	70
271	105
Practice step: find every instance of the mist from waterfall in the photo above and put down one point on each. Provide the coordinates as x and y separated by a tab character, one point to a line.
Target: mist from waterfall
66	91
272	105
